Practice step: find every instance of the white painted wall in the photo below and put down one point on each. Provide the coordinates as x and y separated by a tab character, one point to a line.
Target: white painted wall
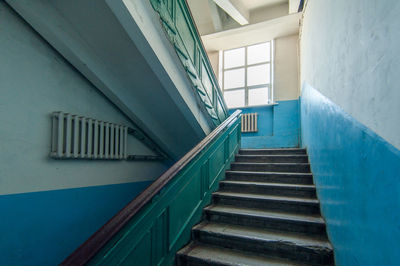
35	81
122	49
214	60
286	77
350	52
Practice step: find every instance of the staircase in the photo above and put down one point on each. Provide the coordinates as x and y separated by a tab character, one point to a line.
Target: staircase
265	213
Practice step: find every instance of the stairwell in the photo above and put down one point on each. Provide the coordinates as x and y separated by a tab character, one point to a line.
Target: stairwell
265	212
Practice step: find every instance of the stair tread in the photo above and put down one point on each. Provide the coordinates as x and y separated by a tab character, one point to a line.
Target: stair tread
267	184
261	234
265	213
275	149
223	256
265	197
251	163
269	216
267	173
272	155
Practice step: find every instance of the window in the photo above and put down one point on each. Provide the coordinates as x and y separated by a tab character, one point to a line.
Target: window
246	74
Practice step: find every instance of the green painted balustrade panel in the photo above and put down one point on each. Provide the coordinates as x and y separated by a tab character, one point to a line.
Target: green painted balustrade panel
163	226
182	32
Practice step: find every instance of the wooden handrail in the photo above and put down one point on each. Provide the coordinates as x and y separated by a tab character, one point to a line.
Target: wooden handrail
98	240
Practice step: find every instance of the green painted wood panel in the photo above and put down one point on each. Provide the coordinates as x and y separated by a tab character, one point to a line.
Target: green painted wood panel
186	199
217	163
163	226
140	255
184	32
234	137
181	31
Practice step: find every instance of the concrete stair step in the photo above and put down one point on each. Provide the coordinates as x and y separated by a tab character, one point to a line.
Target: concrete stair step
284	151
272	167
299	248
272	177
196	254
277	221
266	212
288	190
267	202
297	158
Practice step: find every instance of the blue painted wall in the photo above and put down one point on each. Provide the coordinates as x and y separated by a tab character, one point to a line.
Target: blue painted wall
43	228
278	126
357	175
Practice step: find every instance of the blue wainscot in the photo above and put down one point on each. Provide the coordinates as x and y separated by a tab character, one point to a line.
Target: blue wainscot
357	175
278	126
43	228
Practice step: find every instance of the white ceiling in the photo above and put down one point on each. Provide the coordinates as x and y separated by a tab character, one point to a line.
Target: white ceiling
253	33
269	19
259	10
254	4
201	11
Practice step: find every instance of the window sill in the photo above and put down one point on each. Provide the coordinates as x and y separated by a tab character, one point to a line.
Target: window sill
255	106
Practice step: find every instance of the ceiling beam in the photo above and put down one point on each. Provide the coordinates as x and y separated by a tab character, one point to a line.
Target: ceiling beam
235	9
253	33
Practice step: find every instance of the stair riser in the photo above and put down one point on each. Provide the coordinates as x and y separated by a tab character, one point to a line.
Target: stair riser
268	223
272	178
270	190
291	168
273	152
270	205
273	170
270	159
275	248
184	260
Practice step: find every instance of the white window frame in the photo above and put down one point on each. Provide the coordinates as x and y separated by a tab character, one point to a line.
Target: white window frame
246	88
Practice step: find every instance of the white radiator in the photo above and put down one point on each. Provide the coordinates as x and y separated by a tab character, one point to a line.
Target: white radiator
249	122
80	137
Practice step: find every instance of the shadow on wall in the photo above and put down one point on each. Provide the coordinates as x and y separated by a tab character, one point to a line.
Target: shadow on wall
357	174
278	126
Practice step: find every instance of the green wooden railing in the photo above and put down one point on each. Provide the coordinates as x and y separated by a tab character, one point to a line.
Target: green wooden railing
182	32
157	223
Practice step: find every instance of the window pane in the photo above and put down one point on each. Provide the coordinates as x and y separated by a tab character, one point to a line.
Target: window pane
234	58
258	96
234	98
258	53
234	78
257	75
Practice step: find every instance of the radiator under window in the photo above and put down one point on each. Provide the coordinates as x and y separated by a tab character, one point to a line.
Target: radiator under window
249	122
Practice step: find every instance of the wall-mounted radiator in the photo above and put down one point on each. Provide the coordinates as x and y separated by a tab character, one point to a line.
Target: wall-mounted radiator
249	122
81	137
